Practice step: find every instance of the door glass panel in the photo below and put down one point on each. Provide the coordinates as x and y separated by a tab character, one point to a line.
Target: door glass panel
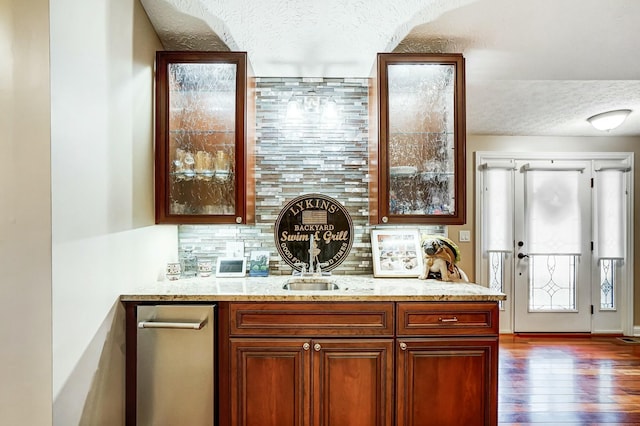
607	285
421	139
552	283
553	213
202	123
496	273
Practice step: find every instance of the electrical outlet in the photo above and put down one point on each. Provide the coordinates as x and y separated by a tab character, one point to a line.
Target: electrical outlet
464	236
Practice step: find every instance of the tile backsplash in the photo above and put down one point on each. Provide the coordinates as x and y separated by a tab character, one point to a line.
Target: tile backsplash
320	148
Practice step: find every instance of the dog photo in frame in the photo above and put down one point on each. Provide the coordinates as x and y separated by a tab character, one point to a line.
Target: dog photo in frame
396	253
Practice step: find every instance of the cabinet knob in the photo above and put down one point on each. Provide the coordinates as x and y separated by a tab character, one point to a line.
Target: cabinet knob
306	346
385	219
238	219
403	346
317	347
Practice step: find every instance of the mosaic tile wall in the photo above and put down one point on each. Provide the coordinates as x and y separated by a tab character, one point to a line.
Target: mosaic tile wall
316	152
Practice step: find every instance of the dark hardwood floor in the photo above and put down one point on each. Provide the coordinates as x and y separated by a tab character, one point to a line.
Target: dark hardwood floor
568	380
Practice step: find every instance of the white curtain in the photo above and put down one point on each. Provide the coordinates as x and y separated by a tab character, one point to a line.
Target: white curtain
553	212
497	205
610	213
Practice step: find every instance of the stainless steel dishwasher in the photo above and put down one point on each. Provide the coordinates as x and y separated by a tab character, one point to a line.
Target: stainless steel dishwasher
175	365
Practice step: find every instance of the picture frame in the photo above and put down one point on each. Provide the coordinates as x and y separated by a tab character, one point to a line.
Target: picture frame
396	253
259	263
231	267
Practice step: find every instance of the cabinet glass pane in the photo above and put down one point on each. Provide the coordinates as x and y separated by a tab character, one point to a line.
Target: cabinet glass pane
421	148
202	123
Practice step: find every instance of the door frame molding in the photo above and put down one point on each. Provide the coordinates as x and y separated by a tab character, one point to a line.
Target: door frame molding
481	265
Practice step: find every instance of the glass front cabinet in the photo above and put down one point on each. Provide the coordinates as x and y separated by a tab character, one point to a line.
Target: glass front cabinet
202	168
418	169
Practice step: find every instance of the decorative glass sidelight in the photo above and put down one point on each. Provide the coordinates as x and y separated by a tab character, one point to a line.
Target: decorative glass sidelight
610	210
608	285
496	273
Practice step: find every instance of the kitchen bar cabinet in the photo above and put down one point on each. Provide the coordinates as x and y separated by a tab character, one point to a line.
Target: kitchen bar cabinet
304	381
281	361
325	367
418	162
203	153
446	364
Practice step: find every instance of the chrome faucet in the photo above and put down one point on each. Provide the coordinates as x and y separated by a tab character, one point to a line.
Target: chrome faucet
314	265
303	268
311	254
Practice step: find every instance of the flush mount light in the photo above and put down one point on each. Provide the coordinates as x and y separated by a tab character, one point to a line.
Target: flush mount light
609	120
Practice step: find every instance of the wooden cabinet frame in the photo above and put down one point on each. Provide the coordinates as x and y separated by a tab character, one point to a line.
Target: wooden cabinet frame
380	139
244	139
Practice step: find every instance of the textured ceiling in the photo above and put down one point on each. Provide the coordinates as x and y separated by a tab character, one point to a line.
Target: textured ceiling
534	67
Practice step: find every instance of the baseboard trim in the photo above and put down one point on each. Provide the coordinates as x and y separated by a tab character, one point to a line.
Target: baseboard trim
568	335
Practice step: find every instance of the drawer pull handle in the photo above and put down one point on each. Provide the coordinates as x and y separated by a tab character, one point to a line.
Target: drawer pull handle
306	346
454	319
172	325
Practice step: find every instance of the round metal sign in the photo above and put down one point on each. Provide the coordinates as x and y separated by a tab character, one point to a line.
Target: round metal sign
314	229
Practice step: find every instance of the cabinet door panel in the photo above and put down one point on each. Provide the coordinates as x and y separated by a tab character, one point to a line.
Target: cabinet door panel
446	382
419	172
200	137
352	382
269	382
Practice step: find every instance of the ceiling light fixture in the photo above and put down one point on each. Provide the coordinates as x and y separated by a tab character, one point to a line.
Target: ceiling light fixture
294	109
312	105
609	120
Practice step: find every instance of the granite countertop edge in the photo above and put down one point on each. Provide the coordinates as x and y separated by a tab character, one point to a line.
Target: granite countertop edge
351	288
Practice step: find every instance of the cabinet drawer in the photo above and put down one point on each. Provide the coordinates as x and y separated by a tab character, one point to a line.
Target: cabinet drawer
424	319
311	319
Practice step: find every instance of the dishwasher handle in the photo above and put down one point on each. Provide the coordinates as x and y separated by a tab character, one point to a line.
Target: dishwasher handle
173	325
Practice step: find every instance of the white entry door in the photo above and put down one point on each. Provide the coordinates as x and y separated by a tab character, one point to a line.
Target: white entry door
556	236
552	253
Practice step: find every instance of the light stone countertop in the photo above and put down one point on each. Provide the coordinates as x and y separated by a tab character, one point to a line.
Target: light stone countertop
351	288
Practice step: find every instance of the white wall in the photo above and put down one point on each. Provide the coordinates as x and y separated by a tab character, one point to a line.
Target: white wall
25	224
104	239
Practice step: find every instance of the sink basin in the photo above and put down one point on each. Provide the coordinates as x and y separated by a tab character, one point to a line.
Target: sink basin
309	284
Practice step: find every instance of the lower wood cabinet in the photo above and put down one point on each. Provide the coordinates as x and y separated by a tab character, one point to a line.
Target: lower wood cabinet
299	382
446	363
269	382
308	364
350	363
446	381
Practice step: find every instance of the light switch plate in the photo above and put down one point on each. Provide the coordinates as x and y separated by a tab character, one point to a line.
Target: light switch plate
464	236
235	249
